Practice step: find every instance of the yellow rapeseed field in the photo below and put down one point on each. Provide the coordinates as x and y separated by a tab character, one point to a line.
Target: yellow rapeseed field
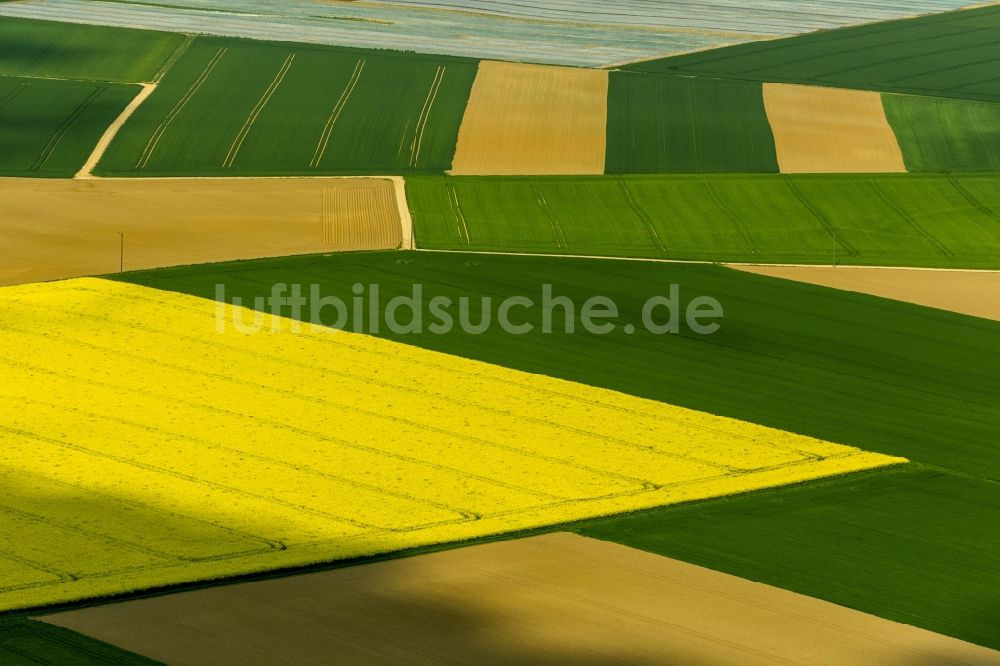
139	447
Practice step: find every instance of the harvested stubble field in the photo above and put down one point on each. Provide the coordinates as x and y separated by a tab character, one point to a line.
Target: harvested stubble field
678	124
975	293
894	220
826	130
937	134
49	127
53	229
534	119
347	445
540	599
243	107
947	55
877	374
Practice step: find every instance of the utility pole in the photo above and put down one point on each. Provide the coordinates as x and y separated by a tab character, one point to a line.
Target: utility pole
121	252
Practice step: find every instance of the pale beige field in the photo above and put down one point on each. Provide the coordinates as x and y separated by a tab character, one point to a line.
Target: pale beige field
557	598
975	293
52	229
534	119
830	130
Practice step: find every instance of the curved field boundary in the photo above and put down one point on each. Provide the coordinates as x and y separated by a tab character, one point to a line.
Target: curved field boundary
975	293
322	469
829	130
549	595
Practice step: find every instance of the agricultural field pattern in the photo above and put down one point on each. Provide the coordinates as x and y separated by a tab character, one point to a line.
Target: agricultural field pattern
232	430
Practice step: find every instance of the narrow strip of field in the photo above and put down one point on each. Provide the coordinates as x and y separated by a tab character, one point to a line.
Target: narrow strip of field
347	445
968	292
554	598
533	119
827	130
53	229
832	219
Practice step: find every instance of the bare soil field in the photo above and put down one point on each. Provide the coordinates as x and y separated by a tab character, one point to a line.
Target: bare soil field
533	119
52	229
829	130
975	293
557	598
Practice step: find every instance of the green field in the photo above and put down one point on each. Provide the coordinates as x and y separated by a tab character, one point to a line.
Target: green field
94	53
882	375
951	55
231	106
910	544
849	368
674	124
49	127
866	220
945	135
25	642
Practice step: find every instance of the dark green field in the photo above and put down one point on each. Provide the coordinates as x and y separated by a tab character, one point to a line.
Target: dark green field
910	544
895	220
877	374
26	642
952	55
92	53
945	135
231	106
674	124
49	127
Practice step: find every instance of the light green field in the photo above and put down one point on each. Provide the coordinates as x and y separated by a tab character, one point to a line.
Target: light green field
942	135
898	220
230	106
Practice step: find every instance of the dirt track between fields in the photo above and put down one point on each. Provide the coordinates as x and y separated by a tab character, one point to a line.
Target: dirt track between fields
975	293
829	130
52	229
557	598
533	120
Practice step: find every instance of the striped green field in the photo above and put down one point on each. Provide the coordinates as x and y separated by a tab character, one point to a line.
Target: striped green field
230	106
902	220
950	55
49	127
94	53
945	135
674	124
